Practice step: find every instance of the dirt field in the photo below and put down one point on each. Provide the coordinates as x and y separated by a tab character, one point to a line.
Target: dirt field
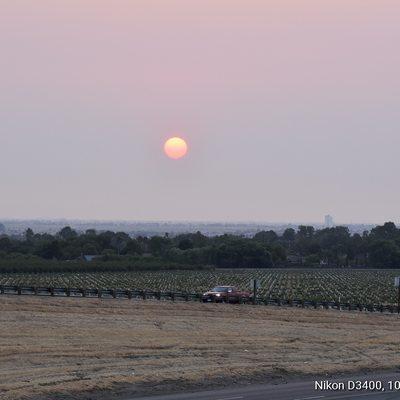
80	348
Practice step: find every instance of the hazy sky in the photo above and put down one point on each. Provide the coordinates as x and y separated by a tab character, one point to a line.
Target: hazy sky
291	109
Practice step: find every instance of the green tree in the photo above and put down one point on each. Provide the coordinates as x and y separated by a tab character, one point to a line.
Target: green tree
266	237
289	235
384	253
67	233
158	245
49	250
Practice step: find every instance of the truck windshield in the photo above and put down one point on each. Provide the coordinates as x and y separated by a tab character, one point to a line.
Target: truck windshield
222	289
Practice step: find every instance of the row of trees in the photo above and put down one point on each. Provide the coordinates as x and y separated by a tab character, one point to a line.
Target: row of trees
333	247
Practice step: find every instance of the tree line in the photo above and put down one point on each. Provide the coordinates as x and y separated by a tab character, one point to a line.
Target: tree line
304	246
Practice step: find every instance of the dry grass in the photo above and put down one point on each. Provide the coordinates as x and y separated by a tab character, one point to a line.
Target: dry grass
50	345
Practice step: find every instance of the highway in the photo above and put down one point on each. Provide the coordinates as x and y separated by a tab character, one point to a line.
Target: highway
299	390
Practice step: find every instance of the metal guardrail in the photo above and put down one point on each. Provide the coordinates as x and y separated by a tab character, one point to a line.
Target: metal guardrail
99	293
182	296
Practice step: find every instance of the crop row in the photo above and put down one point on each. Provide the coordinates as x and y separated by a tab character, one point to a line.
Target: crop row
354	286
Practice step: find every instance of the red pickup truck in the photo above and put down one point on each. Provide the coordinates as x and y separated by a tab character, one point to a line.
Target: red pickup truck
226	294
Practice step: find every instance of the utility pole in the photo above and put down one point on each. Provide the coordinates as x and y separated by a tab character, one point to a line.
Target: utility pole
398	300
397	284
254	284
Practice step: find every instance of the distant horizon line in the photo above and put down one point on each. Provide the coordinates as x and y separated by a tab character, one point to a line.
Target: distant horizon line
177	221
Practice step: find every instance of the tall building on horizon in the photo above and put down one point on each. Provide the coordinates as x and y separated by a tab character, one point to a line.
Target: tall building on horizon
329	221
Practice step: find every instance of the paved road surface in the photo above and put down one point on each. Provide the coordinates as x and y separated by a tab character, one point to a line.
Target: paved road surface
301	390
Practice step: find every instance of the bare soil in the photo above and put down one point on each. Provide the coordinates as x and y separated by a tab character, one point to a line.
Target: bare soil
52	348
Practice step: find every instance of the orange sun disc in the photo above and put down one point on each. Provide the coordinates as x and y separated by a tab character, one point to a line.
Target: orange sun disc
175	148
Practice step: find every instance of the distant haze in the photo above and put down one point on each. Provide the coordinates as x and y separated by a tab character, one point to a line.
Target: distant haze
290	109
137	228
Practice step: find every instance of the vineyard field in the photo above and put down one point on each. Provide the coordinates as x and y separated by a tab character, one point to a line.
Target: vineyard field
353	286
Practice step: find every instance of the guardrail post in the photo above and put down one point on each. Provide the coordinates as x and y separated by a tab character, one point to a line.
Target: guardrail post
19	291
51	290
173	296
68	292
315	304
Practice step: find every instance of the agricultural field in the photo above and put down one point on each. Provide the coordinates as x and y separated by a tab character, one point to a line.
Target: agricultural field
353	286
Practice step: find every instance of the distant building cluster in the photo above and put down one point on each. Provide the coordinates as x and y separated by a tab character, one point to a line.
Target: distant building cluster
329	223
